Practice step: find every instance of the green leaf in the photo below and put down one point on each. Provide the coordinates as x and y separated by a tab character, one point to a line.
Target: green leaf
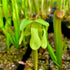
12	35
21	38
24	41
24	23
35	41
65	45
7	34
19	1
44	40
42	22
51	52
5	8
1	19
27	30
16	21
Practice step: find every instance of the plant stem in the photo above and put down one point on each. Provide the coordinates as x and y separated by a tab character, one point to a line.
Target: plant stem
60	4
35	59
30	6
42	2
36	6
58	38
24	7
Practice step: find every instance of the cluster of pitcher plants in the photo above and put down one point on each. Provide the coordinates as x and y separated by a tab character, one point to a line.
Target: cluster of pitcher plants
25	25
